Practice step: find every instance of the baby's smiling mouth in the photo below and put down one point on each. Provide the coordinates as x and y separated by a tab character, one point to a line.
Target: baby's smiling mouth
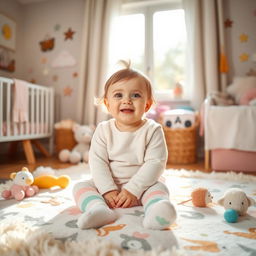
127	110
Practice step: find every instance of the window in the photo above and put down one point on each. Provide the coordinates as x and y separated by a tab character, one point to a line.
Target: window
153	37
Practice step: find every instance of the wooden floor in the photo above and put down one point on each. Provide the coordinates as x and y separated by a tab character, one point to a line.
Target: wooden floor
15	163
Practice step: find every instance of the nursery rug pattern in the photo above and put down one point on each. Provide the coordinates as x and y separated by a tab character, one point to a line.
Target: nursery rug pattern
197	231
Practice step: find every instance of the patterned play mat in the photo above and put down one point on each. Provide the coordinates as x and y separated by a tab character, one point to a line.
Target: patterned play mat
197	231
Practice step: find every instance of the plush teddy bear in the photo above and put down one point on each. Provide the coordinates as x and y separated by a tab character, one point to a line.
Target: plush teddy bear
237	200
21	186
83	135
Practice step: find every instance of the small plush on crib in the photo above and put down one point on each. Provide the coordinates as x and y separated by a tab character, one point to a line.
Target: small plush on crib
21	186
200	197
237	200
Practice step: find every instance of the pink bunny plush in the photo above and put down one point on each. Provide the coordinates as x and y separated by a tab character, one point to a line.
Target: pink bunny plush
21	186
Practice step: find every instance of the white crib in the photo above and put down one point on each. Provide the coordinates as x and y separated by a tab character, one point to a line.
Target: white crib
40	118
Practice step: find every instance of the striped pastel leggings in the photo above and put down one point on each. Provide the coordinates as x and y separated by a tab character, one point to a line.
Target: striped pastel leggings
86	195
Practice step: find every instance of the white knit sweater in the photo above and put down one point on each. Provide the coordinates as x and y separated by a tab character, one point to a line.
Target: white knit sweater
134	160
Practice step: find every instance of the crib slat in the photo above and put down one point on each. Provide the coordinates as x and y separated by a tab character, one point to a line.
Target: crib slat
28	131
51	95
1	109
37	110
8	110
42	112
32	118
47	111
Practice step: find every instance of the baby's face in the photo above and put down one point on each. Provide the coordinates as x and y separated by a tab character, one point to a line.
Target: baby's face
127	101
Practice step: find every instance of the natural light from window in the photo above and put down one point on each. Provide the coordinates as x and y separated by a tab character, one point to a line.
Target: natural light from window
128	40
155	42
169	41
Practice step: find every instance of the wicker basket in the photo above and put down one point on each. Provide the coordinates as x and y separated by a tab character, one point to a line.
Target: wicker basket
181	144
64	139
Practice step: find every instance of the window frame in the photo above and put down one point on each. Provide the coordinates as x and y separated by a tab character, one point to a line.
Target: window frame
148	8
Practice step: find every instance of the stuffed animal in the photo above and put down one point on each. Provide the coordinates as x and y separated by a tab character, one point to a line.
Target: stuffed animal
21	186
83	135
237	200
45	177
200	197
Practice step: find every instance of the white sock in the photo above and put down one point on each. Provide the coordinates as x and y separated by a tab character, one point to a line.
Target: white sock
96	217
160	215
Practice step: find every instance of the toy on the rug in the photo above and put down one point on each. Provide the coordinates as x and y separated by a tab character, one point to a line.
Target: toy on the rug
83	135
45	177
21	186
200	197
231	215
237	200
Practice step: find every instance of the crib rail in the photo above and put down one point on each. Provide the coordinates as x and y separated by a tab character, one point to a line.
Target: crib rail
40	112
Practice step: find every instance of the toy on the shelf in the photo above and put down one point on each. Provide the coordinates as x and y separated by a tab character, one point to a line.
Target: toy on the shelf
22	185
200	197
236	199
231	215
45	177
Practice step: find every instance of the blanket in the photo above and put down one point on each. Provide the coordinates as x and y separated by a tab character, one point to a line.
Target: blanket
197	231
230	127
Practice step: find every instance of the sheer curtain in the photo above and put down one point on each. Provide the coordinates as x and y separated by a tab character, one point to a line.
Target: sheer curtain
94	61
206	60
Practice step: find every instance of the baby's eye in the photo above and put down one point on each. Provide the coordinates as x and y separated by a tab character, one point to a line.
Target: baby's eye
118	95
135	95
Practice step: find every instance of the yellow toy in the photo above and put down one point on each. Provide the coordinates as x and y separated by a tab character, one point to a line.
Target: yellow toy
45	177
49	181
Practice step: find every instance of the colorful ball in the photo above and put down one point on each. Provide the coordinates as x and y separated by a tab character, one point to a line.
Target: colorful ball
231	216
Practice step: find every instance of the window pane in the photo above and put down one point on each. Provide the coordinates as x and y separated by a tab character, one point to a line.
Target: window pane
128	40
169	37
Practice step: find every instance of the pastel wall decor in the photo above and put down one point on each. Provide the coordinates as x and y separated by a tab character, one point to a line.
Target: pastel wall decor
69	34
8	32
47	44
64	59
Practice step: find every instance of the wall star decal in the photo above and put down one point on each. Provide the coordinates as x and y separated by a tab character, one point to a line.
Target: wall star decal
69	34
67	91
244	57
243	38
228	23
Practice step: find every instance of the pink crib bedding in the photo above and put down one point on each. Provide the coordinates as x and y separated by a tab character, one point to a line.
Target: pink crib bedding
25	128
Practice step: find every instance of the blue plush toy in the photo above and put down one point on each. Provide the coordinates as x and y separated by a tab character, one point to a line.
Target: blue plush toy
231	215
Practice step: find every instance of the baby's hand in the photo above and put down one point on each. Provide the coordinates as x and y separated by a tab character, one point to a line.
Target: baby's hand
110	198
126	199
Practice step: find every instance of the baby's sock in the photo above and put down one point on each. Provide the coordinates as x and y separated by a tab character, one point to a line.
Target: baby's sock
95	211
159	215
97	216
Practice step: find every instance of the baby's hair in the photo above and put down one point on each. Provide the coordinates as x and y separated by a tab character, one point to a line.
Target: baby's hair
126	74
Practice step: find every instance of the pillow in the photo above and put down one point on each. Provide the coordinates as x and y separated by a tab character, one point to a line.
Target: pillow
240	86
248	96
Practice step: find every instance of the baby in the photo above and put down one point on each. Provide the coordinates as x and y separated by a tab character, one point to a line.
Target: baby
127	157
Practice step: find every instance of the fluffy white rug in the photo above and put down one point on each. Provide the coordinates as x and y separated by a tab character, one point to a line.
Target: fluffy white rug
49	222
19	240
